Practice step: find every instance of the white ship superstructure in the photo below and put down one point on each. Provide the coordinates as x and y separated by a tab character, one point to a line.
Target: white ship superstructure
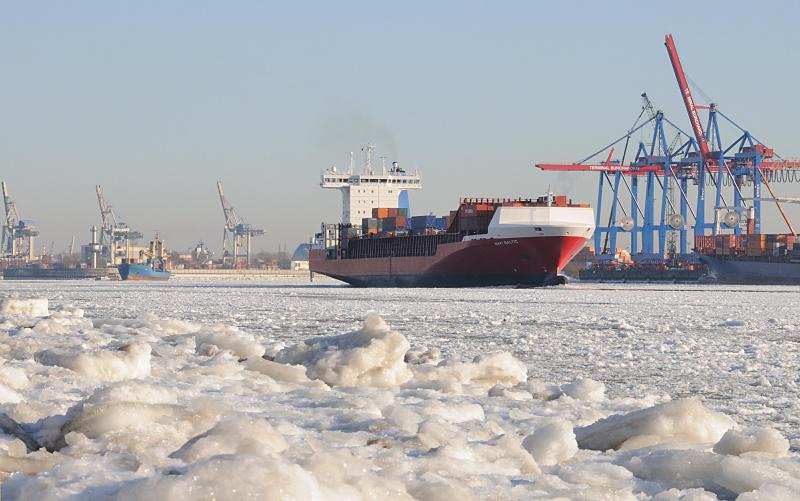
367	190
521	222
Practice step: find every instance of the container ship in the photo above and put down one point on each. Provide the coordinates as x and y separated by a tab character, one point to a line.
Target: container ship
151	266
485	242
57	271
766	259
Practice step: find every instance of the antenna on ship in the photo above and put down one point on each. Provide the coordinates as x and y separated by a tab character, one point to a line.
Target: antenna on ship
368	158
549	196
350	164
383	165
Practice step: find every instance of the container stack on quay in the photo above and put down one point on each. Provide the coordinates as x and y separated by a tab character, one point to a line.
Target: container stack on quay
754	245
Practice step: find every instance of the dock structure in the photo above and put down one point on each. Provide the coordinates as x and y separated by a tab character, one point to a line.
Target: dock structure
728	179
237	235
19	235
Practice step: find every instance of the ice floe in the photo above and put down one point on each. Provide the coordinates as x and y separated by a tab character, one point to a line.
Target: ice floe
147	407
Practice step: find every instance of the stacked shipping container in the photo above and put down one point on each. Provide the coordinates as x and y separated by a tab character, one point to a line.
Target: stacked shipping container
385	220
472	217
753	245
421	225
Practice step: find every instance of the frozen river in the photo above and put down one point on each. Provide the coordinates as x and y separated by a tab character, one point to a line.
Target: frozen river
736	348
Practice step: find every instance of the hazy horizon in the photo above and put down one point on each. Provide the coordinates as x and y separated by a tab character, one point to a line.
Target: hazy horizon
157	102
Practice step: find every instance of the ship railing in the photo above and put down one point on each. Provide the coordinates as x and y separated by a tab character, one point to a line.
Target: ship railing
405	246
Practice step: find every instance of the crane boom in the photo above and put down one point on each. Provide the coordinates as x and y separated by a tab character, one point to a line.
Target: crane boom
105	212
604	167
230	215
686	94
11	210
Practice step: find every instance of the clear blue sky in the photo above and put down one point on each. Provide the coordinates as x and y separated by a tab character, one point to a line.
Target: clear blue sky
158	100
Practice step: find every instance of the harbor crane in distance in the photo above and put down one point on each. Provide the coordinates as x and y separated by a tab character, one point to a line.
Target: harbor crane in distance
115	236
236	234
16	232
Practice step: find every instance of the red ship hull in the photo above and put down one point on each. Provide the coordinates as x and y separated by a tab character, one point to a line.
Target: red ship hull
523	261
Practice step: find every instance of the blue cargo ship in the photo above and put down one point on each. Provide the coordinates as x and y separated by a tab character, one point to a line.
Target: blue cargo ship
152	265
143	271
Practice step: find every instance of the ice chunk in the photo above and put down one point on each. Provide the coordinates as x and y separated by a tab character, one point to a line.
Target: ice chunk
130	362
239	435
503	391
679	421
207	350
116	407
686	495
770	492
37	307
223	365
440	489
543	391
60	322
11	428
9	396
371	356
552	443
486	370
279	372
723	475
585	389
12	446
756	439
418	356
229	477
13	377
243	345
28	464
403	418
455	412
436	432
603	475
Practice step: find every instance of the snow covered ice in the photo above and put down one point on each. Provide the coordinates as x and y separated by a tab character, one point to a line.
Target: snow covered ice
267	390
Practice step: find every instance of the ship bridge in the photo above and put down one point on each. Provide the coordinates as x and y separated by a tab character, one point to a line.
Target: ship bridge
370	189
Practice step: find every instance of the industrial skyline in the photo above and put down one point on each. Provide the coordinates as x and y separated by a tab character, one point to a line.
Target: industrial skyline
157	103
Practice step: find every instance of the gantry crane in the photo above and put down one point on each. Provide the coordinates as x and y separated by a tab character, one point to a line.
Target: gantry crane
236	233
115	236
16	231
702	159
